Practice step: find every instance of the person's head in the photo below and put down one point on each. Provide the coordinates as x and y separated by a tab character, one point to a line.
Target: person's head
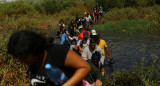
61	21
95	57
86	35
88	15
27	46
76	16
93	34
73	24
93	43
87	27
77	32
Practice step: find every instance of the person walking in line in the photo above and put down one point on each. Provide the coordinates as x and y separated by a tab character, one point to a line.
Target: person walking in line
85	41
63	36
102	44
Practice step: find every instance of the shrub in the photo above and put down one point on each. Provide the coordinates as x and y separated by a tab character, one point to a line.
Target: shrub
129	26
17	7
138	75
108	4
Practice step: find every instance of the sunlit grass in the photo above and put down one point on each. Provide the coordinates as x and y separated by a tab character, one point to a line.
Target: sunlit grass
129	26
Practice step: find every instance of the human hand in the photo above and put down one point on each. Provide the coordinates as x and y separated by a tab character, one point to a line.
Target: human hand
75	47
111	61
98	83
110	57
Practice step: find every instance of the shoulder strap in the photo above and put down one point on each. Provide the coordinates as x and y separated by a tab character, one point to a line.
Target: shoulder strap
81	43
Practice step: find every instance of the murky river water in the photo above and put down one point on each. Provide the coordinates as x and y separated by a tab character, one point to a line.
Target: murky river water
126	49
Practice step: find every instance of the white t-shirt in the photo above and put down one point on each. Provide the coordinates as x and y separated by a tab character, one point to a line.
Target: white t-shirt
87	53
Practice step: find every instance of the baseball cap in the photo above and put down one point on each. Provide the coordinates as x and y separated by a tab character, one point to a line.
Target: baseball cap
93	32
77	31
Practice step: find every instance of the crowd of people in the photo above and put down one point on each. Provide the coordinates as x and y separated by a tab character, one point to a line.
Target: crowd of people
85	41
80	53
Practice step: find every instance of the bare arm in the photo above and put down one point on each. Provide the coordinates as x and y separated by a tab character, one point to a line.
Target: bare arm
82	68
106	49
77	46
98	83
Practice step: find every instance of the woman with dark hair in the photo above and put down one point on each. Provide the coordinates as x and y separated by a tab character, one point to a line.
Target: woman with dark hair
34	50
61	25
72	28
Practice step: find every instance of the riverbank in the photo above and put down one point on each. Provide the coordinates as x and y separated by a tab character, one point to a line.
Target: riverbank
138	75
132	20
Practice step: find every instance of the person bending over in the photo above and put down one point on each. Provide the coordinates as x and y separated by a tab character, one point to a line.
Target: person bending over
92	48
34	50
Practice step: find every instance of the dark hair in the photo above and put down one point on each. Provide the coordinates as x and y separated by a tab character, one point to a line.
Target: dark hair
93	40
72	22
61	21
27	43
51	41
93	36
96	56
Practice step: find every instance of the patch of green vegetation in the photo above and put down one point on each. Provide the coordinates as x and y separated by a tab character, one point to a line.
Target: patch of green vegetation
109	4
138	75
129	26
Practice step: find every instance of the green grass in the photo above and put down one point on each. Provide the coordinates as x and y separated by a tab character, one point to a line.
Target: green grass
130	26
149	13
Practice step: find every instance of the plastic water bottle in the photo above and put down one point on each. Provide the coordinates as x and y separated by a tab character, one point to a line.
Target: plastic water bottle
55	75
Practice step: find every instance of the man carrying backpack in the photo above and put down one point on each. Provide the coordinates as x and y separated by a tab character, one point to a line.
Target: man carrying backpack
85	41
